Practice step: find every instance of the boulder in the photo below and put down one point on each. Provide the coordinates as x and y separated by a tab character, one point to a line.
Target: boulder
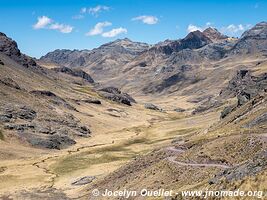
152	107
179	110
114	94
93	101
55	141
226	111
84	180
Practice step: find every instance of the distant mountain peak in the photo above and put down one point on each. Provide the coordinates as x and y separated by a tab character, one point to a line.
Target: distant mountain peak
122	40
252	41
214	34
195	40
196	33
259	31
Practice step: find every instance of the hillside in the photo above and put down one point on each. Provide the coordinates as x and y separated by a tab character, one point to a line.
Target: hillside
229	154
103	62
178	67
185	114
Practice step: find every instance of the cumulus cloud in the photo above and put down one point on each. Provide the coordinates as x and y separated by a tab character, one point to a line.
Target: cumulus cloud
146	19
192	27
114	32
42	22
233	29
45	22
98	28
61	27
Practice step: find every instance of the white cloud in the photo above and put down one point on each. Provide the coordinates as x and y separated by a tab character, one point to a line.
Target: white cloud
114	32
192	27
146	19
98	28
94	10
61	27
233	29
42	22
45	22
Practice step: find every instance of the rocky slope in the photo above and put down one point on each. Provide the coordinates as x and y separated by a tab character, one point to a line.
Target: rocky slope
28	108
214	34
10	48
103	62
229	154
172	66
252	41
38	106
205	93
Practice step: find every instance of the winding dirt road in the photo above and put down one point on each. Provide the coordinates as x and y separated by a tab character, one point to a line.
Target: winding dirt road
178	151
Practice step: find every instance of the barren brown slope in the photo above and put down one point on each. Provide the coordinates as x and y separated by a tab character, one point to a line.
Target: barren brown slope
42	111
229	154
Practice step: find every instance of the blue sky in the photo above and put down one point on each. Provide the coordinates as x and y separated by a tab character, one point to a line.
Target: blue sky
43	26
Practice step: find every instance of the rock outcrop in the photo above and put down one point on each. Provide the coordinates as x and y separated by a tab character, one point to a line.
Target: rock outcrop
75	72
10	48
41	129
9	82
151	106
53	98
114	94
244	86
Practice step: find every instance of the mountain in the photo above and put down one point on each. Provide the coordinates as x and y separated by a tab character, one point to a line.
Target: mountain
169	66
214	35
103	62
10	48
66	57
186	114
252	41
39	107
194	61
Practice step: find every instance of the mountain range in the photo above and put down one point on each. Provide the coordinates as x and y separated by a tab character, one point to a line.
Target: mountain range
180	114
168	66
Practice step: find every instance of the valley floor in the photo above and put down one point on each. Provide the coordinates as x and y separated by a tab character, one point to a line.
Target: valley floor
33	172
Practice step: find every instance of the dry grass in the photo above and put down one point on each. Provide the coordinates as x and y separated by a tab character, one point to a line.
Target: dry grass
74	163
